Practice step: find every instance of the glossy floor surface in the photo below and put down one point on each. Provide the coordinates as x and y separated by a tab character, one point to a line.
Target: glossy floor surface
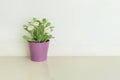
60	68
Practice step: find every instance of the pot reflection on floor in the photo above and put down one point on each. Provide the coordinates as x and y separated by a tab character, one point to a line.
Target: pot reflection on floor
39	71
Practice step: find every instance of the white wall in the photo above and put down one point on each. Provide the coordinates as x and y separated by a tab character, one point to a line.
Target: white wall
82	27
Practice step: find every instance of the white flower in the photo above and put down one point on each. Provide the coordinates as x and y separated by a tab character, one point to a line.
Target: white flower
30	28
47	30
36	23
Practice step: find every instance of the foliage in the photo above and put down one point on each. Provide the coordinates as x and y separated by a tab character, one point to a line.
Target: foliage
39	30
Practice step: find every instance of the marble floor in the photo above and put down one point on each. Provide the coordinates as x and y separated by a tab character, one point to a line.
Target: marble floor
60	68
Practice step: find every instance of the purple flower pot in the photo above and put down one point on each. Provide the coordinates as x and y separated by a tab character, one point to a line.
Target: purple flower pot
39	51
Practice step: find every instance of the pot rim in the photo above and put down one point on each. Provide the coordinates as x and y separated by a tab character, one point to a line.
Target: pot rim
39	42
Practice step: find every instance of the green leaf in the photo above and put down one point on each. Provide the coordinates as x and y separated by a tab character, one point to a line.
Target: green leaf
44	20
35	34
48	24
25	26
27	38
52	27
42	29
34	19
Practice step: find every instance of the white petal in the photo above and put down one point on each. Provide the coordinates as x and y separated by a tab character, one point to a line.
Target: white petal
30	28
47	30
36	23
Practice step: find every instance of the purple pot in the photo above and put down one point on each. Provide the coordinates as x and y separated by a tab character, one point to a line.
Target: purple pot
38	51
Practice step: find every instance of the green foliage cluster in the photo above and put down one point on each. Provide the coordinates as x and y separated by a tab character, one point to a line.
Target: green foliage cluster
39	30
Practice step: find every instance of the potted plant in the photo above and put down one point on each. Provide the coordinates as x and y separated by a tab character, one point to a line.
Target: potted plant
39	38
